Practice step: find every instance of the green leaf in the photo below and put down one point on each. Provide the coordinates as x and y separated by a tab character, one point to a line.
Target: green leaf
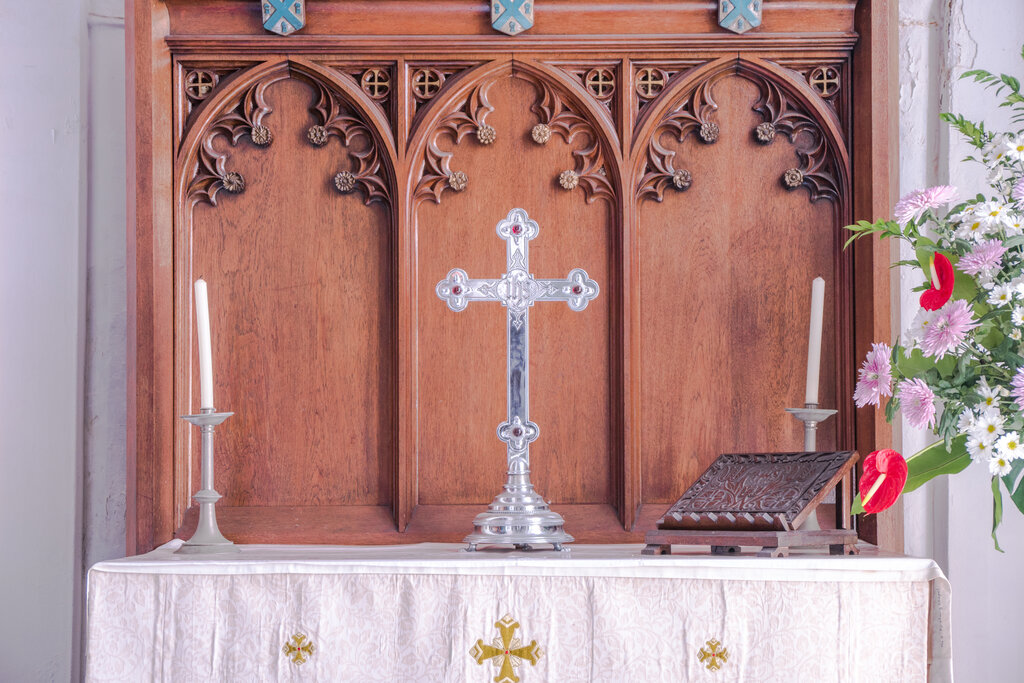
964	286
991	340
997	510
934	461
1016	494
917	364
857	507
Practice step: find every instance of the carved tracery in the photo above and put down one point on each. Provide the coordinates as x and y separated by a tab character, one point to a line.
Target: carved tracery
817	168
692	115
556	117
470	117
334	119
246	118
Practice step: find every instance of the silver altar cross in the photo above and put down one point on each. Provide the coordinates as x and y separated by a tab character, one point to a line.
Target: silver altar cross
518	515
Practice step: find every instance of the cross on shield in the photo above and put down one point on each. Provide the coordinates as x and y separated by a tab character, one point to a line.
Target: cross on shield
284	16
511	16
739	16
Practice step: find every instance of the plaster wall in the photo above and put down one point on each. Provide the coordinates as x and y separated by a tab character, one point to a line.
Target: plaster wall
41	339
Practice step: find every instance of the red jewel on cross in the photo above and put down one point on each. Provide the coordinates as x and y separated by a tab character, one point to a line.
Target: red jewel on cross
577	289
516	229
456	290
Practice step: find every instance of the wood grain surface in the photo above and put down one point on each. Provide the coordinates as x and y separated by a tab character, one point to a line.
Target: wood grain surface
366	409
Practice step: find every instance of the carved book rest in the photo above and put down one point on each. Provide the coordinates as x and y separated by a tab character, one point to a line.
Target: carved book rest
323	182
758	499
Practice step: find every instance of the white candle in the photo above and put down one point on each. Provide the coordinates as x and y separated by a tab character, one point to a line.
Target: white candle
205	349
814	339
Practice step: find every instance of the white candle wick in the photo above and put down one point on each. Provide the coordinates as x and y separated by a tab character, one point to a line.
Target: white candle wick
205	347
814	339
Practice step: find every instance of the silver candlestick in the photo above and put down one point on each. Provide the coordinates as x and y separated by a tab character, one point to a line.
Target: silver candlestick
207	538
518	516
811	415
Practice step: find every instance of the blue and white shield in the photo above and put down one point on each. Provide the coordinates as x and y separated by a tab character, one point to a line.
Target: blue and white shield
511	16
739	16
284	16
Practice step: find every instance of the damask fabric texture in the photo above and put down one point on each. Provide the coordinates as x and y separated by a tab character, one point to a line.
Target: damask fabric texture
430	612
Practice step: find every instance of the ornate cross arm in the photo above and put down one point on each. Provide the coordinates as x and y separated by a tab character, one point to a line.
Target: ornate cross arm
517	290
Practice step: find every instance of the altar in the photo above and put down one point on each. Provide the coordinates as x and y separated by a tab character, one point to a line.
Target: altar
431	612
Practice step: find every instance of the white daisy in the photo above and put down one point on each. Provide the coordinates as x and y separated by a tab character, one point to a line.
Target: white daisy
965	423
1018	315
1002	295
989	395
1015	334
1015	149
1009	446
988	426
1014	225
998	466
991	215
978	449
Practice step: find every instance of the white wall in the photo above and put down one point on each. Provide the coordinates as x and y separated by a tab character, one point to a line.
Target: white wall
950	519
41	333
62	323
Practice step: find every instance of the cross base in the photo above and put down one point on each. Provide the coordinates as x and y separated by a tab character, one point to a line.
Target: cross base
518	516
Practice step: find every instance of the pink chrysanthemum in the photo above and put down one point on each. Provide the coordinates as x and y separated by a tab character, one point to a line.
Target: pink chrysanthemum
918	403
875	377
947	331
984	257
911	206
1018	191
1018	388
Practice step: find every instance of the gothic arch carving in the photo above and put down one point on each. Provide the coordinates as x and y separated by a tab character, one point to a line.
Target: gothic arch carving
787	106
238	109
562	107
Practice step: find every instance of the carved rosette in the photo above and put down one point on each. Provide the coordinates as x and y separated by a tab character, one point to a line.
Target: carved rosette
334	119
470	116
245	118
556	118
692	116
817	170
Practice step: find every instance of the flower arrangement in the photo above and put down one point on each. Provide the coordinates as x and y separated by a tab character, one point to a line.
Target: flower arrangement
959	368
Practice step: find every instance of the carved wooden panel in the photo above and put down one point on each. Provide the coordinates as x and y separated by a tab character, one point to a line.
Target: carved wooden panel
324	182
721	228
486	133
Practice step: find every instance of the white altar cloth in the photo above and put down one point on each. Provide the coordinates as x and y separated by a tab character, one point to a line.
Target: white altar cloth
428	612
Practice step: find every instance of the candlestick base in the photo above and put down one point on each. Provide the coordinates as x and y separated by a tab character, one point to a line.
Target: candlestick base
207	538
811	415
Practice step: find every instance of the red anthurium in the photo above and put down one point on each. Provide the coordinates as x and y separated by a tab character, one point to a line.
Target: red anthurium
942	283
885	473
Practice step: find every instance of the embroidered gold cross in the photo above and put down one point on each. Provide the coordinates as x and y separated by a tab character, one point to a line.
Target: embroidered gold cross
299	649
508	649
713	654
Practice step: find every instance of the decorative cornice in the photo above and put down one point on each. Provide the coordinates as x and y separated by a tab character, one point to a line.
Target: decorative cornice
522	44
